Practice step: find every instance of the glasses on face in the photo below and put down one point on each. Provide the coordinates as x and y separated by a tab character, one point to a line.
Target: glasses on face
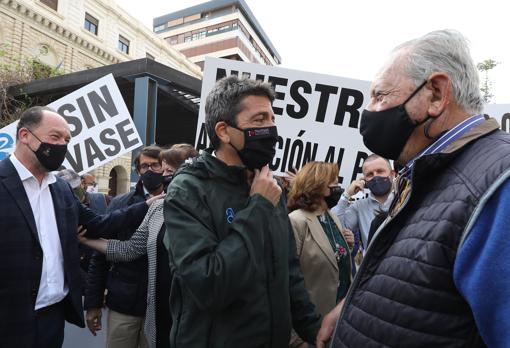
93	184
151	166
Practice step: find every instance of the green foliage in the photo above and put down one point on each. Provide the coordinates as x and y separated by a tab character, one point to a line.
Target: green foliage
484	67
15	71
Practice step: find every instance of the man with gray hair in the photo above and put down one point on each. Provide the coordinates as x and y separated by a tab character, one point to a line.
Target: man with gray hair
236	279
436	273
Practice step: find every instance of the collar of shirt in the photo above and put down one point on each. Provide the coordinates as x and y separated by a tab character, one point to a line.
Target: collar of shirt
444	140
388	199
25	174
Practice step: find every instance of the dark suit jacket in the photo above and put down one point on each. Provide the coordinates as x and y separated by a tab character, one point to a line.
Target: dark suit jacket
21	253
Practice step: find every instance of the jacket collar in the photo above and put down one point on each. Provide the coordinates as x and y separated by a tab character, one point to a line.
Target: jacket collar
428	165
218	168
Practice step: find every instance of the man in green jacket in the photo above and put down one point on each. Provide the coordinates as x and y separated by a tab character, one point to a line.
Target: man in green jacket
236	278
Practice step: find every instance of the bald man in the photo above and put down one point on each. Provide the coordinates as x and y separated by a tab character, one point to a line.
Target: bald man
40	284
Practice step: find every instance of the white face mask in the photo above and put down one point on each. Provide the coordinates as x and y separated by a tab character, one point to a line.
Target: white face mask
92	189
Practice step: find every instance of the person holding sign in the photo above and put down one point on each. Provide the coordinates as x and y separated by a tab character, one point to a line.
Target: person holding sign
436	273
40	285
237	281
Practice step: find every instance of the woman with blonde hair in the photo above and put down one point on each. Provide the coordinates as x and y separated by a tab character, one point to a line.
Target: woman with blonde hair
323	246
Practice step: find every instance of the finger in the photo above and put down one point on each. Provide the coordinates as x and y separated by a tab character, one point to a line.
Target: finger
264	171
257	173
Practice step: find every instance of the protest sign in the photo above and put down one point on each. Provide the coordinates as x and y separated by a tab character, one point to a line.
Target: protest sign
100	123
317	115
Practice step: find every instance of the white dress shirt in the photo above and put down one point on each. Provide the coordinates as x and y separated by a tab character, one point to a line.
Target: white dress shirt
52	288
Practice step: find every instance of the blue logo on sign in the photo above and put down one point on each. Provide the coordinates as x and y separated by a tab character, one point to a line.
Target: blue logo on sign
230	215
6	142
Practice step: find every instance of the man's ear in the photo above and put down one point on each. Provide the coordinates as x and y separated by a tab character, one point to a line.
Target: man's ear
23	135
221	132
440	86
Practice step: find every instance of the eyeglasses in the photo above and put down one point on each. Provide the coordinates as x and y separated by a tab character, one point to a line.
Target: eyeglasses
152	166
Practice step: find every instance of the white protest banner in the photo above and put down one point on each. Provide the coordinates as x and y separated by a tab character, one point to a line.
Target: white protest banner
100	123
317	115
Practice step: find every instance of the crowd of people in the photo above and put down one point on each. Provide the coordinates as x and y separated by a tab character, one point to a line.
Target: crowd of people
213	250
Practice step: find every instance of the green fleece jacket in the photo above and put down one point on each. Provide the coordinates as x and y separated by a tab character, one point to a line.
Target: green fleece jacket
236	278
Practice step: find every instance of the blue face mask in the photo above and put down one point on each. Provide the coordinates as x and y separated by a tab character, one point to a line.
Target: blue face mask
379	185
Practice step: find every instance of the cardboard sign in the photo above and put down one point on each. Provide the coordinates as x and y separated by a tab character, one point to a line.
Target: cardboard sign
101	127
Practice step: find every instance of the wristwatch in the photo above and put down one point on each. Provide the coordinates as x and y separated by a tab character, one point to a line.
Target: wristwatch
346	196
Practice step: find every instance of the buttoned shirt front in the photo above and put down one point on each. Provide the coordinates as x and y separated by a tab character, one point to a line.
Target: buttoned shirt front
359	214
52	287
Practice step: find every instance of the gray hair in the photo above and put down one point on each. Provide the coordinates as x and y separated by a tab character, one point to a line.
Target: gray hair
70	176
445	51
224	101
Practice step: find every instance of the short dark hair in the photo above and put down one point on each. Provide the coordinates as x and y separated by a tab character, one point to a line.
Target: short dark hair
224	101
374	156
31	118
177	154
151	151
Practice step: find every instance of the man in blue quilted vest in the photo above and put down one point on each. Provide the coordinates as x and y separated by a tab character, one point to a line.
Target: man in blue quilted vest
436	273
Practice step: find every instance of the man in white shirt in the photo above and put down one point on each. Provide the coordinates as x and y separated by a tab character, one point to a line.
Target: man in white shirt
40	283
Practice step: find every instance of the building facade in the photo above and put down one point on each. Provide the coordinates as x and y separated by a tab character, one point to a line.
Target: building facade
74	35
219	28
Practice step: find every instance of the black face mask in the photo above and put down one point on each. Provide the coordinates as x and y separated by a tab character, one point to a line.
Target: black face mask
334	197
151	180
379	185
50	156
386	132
259	146
167	179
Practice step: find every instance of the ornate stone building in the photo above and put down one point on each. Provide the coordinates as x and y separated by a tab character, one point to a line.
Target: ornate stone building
75	35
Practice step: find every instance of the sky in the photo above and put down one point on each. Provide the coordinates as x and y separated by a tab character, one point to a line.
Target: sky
353	38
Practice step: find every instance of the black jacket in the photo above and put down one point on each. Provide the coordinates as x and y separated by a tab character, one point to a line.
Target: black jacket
21	253
126	281
236	280
404	294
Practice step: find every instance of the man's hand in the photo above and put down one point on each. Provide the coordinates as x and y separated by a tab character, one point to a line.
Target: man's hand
349	237
265	185
154	198
328	326
93	318
289	177
355	187
82	231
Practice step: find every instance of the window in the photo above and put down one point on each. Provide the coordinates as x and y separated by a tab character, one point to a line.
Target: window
123	44
159	28
149	56
53	4
91	24
198	36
